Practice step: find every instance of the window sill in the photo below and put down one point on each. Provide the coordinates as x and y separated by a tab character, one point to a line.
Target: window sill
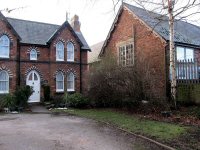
59	60
70	90
5	57
60	91
70	61
4	92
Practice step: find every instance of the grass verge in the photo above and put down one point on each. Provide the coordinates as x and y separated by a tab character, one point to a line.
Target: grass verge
159	130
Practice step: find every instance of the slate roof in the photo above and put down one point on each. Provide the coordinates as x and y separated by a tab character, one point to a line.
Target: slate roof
184	32
32	32
96	48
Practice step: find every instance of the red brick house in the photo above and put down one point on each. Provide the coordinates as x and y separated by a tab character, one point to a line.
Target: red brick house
137	33
35	53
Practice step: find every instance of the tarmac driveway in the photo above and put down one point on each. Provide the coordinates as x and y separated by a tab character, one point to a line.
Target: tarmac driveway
52	132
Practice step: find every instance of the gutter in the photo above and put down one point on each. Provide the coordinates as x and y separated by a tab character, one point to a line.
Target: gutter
186	45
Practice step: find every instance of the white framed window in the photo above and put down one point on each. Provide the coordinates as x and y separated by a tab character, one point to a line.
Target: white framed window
184	53
4	82
60	51
33	54
70	51
4	46
70	82
126	55
59	82
185	65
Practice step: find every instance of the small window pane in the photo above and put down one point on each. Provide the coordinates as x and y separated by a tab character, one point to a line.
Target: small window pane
59	82
126	55
4	46
70	82
4	82
33	54
189	53
70	52
35	77
59	51
180	53
30	77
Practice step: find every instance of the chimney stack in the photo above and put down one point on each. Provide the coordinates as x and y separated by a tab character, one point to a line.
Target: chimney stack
67	16
76	25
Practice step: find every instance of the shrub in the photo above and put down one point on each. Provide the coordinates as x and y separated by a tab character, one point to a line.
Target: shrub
22	95
1	101
8	101
46	89
57	100
112	85
76	100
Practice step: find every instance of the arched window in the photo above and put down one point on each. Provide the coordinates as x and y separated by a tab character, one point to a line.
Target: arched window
70	51
70	82
59	51
4	46
4	82
59	82
33	54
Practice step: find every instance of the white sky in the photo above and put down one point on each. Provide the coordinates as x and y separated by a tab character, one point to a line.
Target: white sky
96	18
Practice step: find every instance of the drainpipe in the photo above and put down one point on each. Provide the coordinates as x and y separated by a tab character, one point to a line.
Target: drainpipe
19	65
80	71
167	70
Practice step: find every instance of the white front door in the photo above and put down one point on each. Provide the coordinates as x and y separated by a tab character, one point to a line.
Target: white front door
33	80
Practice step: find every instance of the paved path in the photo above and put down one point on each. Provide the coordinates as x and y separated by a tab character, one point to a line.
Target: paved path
50	132
39	109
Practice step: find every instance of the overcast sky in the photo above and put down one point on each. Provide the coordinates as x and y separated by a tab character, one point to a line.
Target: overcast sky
96	16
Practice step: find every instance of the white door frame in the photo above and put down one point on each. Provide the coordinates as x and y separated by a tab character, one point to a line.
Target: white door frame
35	83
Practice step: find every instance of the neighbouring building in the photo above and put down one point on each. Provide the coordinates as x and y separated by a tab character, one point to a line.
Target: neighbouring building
95	50
34	53
137	33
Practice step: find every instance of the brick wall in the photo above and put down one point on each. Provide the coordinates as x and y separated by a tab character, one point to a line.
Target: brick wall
148	46
10	64
46	64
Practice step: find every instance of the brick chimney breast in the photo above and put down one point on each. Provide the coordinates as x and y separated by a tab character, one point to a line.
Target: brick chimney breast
75	23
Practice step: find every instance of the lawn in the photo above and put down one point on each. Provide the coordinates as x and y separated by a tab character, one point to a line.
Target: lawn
159	130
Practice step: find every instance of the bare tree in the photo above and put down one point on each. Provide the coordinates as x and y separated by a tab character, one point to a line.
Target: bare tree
175	10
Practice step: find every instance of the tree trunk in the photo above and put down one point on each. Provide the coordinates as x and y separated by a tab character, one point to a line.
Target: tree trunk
172	53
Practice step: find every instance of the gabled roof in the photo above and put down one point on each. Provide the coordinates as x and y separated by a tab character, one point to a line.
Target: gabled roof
32	32
2	17
185	33
85	44
93	56
67	25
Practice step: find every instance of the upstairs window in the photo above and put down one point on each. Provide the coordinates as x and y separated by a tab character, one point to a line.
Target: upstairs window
4	82
70	51
70	82
59	51
33	54
183	53
186	66
59	82
126	55
4	46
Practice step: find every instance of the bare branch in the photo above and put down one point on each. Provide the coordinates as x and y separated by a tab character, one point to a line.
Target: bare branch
13	9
